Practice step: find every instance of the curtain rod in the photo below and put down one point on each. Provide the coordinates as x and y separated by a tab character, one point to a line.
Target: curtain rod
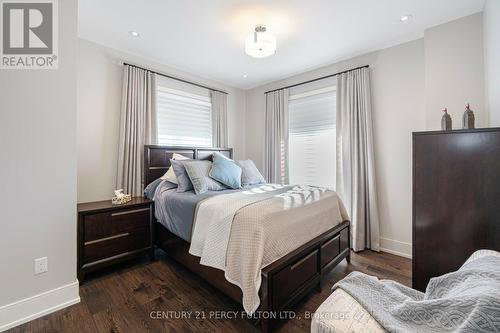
317	79
175	78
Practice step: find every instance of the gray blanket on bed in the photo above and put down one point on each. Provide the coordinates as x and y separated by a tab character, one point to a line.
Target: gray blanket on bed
467	300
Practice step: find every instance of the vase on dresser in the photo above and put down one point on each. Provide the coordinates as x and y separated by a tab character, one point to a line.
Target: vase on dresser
446	121
468	119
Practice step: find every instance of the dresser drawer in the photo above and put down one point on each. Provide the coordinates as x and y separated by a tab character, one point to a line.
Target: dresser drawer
292	277
120	243
104	225
330	250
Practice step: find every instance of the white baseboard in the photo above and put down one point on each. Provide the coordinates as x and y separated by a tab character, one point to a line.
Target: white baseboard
33	307
398	248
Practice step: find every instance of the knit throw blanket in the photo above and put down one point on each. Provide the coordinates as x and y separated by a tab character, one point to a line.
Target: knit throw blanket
467	300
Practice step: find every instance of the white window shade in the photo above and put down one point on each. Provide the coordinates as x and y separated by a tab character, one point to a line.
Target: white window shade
312	138
183	119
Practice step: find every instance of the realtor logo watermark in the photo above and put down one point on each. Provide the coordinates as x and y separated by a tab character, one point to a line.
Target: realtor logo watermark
29	38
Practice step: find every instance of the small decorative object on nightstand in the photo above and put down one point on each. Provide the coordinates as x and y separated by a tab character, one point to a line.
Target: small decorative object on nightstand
446	121
109	233
120	198
468	119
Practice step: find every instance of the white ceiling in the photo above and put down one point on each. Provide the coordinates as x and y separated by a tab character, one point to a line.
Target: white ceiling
206	38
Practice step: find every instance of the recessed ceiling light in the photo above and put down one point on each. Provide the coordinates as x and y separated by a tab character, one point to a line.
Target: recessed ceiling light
405	18
133	33
245	76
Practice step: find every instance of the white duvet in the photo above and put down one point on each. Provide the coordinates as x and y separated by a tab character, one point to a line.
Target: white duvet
242	232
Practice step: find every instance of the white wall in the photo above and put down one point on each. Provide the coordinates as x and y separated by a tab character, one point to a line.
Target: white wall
38	182
397	76
454	71
492	59
99	101
411	84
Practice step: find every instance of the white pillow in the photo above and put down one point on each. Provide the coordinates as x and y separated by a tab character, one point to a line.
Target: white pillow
170	175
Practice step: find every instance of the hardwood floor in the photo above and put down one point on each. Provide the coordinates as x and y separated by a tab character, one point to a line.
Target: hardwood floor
125	299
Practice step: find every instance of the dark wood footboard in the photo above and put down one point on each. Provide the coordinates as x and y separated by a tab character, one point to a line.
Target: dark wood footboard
284	282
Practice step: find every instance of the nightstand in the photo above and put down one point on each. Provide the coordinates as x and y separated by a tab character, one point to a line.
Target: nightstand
108	234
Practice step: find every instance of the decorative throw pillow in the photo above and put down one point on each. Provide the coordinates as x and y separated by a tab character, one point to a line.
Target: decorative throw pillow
250	175
225	171
198	171
183	182
170	174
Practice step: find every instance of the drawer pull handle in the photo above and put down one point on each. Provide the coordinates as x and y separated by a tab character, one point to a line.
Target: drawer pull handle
302	260
130	212
125	234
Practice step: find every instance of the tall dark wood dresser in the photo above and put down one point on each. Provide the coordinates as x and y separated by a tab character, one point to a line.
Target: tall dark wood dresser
456	199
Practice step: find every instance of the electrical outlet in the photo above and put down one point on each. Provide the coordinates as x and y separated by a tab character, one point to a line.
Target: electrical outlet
41	265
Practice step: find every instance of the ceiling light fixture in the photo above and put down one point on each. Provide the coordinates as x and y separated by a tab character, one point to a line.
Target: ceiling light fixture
245	76
405	18
260	43
134	33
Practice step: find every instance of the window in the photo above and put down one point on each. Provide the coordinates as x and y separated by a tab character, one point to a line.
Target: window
183	119
312	137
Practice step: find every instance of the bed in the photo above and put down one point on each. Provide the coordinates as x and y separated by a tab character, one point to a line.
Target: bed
283	280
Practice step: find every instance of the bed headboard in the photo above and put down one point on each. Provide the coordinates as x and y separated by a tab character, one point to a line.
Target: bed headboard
157	158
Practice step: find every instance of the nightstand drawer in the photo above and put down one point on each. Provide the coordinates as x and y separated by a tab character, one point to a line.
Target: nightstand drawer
120	243
104	225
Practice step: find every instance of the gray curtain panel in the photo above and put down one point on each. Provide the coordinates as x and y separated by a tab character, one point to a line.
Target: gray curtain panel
137	127
355	161
276	152
219	118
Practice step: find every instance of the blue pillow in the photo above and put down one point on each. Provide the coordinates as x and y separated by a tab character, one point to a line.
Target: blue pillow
225	171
